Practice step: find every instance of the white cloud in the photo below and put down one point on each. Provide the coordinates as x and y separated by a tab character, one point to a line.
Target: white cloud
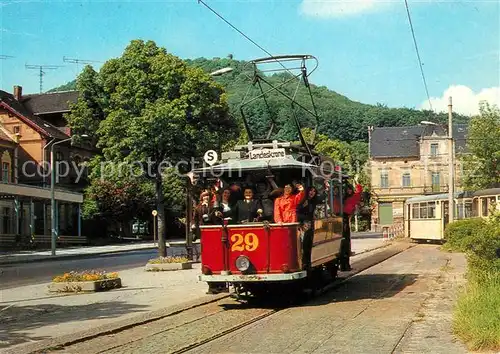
465	101
339	8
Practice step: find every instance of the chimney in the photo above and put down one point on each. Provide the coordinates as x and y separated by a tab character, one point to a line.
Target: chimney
18	92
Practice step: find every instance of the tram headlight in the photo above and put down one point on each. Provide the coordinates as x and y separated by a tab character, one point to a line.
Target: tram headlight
242	263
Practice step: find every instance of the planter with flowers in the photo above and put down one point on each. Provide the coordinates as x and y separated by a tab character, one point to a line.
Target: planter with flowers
168	263
87	281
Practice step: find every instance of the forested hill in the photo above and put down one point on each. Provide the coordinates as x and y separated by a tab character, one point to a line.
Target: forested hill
339	117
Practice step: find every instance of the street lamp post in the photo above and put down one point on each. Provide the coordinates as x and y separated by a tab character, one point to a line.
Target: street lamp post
451	165
52	194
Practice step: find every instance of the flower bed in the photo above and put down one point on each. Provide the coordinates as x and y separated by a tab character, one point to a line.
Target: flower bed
85	281
170	259
84	276
168	263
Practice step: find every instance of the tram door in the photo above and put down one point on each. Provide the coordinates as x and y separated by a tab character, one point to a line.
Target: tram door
408	220
445	215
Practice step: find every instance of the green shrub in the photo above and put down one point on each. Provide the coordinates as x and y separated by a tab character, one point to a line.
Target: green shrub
483	255
460	235
476	317
477	314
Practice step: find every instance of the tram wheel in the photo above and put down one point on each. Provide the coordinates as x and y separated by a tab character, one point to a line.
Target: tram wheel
333	269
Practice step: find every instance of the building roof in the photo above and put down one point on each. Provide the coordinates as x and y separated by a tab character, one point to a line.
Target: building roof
8	101
5	138
386	142
487	192
436	197
395	141
55	102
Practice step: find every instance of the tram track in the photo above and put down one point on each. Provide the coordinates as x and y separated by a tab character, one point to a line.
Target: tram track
188	329
358	267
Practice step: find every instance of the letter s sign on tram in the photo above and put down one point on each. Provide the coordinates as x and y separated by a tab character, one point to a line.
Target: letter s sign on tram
210	157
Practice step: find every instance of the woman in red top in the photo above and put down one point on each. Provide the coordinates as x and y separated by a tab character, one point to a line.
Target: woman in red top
285	207
352	199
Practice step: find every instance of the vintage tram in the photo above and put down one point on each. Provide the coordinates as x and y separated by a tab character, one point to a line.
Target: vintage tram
257	255
260	256
426	217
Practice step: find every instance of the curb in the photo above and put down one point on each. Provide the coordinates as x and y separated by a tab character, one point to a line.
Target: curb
372	249
72	256
56	343
172	244
118	326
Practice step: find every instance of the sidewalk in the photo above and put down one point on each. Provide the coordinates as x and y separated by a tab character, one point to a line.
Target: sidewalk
31	313
80	252
91	251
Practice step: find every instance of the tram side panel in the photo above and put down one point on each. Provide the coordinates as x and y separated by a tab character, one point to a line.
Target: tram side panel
273	250
327	240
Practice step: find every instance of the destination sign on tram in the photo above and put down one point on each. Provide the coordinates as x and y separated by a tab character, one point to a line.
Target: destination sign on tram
266	154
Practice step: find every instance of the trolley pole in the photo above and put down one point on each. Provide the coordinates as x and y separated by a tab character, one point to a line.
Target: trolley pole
451	171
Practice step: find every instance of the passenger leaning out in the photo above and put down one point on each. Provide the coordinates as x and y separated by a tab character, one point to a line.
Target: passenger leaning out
285	207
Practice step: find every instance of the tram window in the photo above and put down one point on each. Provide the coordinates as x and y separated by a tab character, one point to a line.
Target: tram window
416	211
335	203
423	210
484	203
491	205
431	210
468	209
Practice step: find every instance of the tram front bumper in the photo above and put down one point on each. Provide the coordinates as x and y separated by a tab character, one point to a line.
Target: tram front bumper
237	278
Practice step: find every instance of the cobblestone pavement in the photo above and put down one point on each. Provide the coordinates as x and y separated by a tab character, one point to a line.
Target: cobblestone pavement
401	305
394	306
30	313
430	330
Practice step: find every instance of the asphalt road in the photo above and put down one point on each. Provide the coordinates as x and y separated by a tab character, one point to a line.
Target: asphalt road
41	272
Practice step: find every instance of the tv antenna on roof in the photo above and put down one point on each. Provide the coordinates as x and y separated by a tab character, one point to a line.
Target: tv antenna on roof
79	61
41	71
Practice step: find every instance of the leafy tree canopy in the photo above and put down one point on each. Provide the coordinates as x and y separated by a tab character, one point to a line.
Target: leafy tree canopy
482	163
339	117
150	109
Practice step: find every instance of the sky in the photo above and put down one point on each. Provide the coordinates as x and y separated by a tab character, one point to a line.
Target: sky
364	47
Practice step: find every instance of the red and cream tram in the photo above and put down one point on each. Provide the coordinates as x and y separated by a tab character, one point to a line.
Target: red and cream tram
254	256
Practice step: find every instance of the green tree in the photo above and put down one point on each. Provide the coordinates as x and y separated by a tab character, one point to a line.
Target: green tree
482	162
87	113
339	117
153	108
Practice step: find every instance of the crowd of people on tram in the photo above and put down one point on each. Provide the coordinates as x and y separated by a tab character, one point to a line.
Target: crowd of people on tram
292	203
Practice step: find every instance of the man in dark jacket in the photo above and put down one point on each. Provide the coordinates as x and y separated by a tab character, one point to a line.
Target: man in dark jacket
246	210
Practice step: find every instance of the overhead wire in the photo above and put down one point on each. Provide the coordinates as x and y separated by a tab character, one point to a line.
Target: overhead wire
418	54
244	35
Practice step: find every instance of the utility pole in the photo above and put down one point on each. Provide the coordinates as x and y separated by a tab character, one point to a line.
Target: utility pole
451	172
41	71
78	62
